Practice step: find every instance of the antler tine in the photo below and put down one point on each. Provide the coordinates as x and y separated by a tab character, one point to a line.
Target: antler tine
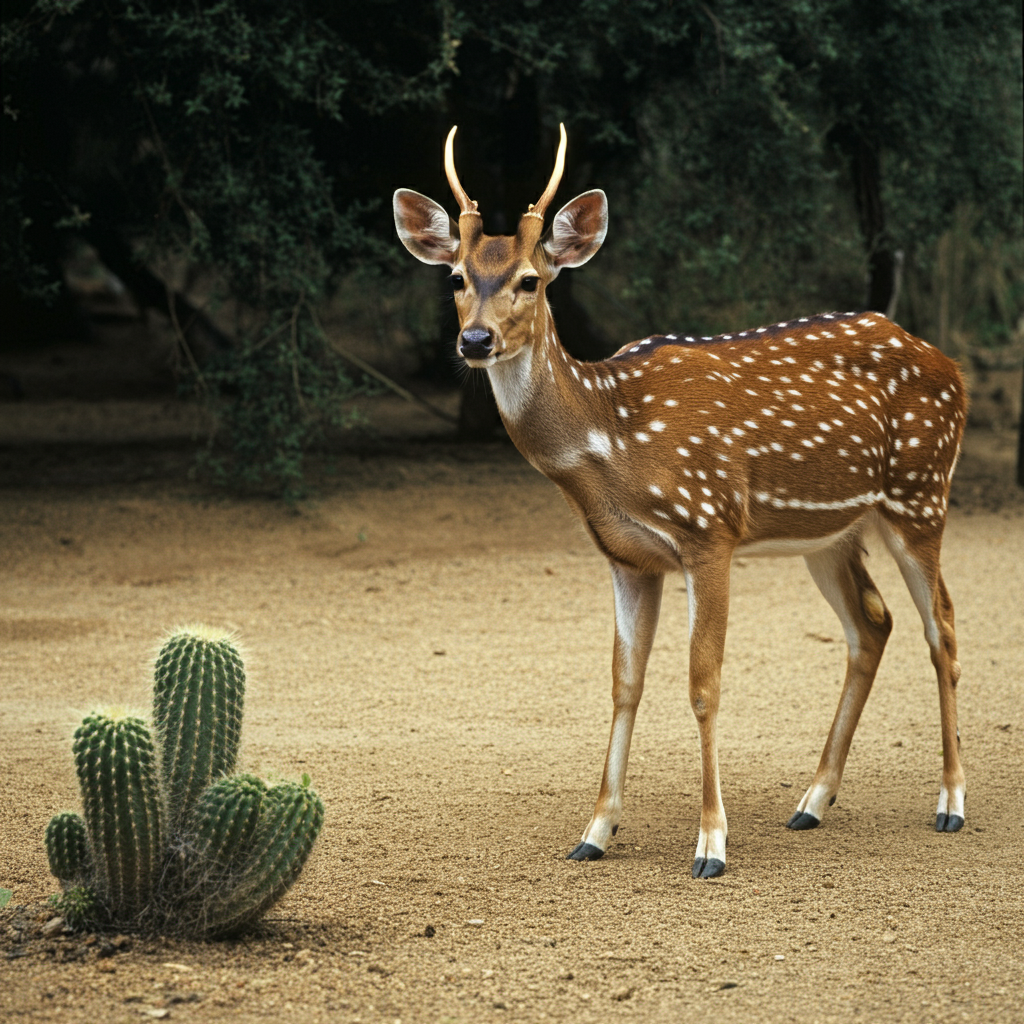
538	208
466	205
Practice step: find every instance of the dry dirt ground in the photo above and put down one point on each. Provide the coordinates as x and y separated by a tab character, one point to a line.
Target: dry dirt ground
430	639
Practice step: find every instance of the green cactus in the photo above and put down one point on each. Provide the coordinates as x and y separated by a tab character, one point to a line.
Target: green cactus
206	852
225	819
80	907
197	711
67	849
117	772
289	824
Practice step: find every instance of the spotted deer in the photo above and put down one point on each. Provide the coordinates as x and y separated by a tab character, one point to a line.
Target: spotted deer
680	452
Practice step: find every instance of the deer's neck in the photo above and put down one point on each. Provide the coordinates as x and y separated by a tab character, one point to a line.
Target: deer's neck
552	405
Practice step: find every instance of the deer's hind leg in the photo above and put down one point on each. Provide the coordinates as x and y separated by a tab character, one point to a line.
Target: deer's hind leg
842	579
918	559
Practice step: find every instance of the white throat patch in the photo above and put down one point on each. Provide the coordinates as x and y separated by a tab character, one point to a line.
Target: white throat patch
512	384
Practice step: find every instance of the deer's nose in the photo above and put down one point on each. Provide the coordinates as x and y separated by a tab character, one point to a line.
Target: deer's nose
476	343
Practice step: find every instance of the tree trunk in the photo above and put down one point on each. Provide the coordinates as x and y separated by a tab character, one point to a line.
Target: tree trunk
1020	439
866	174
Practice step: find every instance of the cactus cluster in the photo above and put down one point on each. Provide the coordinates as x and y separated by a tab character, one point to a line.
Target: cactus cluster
169	836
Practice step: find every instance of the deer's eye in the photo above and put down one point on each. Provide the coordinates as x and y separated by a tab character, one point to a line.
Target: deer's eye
529	284
457	283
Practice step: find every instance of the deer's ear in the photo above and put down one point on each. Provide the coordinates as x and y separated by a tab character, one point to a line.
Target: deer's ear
578	230
425	228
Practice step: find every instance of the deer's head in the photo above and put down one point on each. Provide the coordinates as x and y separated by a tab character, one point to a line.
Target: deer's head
499	281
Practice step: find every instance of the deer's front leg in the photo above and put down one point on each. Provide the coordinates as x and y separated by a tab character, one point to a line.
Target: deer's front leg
637	604
707	587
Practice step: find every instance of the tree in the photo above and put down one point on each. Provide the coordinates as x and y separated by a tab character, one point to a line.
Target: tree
759	159
208	134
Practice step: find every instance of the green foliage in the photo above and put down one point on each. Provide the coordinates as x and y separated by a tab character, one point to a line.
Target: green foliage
213	852
211	135
760	159
966	289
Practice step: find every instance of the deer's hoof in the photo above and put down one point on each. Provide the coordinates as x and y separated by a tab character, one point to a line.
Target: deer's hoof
948	822
708	867
801	821
585	851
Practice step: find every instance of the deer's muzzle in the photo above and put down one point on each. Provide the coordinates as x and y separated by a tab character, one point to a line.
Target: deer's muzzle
476	343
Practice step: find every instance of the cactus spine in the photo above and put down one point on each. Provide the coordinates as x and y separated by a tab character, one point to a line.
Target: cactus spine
117	772
67	849
197	711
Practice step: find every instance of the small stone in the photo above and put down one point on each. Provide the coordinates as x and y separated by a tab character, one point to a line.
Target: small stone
53	927
430	931
105	967
475	922
828	885
779	956
620	995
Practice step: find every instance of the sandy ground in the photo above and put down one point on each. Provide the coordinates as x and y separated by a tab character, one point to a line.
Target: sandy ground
430	638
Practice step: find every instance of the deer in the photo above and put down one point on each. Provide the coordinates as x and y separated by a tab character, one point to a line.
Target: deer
679	453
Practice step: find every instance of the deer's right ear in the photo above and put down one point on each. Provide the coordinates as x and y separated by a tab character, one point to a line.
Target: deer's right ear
425	228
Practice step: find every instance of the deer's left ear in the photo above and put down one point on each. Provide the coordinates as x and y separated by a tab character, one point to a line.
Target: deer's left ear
424	228
578	230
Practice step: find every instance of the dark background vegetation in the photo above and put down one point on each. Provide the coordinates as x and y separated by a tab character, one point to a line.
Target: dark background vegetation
762	160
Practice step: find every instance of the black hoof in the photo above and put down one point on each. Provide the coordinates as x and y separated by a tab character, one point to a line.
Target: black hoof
585	851
948	823
708	867
801	821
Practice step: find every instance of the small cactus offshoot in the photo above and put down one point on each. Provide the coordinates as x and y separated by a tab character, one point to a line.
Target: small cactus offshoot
169	837
67	848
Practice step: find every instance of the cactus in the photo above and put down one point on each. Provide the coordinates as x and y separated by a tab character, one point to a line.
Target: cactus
67	849
117	772
289	824
197	711
217	850
221	829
